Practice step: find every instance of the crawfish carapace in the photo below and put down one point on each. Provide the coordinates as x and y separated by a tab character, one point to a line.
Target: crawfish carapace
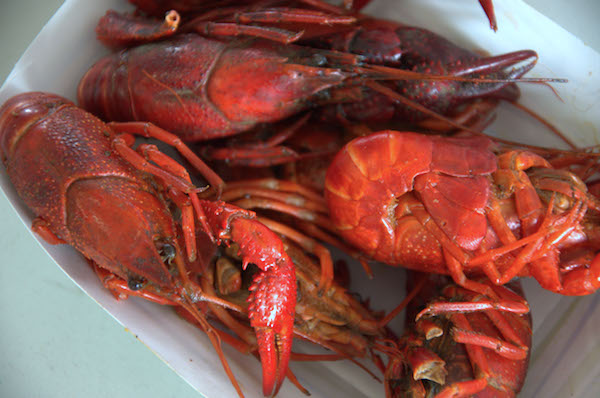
458	206
90	189
54	153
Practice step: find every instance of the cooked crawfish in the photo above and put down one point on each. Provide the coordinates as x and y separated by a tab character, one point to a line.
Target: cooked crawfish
217	88
441	104
90	189
457	347
201	88
454	206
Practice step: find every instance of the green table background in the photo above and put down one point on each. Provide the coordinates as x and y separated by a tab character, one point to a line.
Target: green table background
81	351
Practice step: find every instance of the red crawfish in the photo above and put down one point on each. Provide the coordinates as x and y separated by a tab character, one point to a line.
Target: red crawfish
457	344
201	88
455	206
440	104
464	98
90	189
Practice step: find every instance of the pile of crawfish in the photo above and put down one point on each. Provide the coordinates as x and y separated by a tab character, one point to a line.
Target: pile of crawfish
305	127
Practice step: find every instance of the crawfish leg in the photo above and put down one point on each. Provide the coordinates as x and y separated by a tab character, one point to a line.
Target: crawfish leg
240	345
278	15
503	348
300	212
488	8
234	29
275	185
516	351
482	305
177	182
479	363
152	153
508	302
268	152
244	332
539	244
456	272
215	339
265	157
475	115
149	130
232	24
416	106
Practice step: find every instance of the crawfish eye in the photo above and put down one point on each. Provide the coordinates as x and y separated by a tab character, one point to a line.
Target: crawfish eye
135	283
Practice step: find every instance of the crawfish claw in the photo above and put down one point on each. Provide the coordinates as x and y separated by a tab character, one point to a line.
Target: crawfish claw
271	311
272	300
273	292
